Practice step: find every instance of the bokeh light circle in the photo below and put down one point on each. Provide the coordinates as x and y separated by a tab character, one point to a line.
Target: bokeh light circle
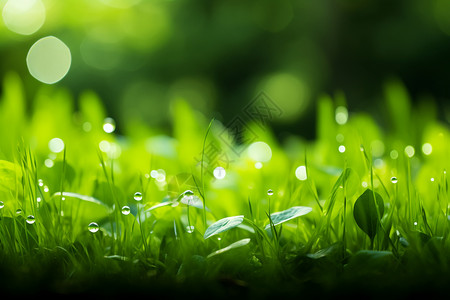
24	16
49	60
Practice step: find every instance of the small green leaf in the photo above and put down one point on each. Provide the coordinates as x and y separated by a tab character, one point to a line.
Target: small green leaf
365	212
235	245
223	225
288	214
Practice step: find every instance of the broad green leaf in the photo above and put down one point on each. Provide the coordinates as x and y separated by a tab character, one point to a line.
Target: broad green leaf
288	214
235	245
108	194
365	212
81	208
223	225
52	176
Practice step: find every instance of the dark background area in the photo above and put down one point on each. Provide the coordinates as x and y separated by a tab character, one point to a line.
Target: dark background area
218	55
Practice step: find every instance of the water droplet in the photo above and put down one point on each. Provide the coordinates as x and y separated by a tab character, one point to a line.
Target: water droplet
40	182
30	219
415	223
394	179
18	211
364	184
109	125
49	60
341	148
361	148
188	193
46	189
190	229
93	227
270	192
138	196
432	179
2	204
300	173
219	173
126	210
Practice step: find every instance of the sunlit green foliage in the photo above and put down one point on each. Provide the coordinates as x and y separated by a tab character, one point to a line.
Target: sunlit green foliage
162	215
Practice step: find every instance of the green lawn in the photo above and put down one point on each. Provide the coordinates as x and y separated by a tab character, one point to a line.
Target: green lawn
363	209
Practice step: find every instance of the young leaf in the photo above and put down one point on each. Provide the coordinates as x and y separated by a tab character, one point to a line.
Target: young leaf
365	212
288	214
235	245
223	225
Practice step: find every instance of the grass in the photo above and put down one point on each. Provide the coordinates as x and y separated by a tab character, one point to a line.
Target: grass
371	220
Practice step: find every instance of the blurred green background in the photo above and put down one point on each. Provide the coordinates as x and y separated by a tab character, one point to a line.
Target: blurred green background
141	55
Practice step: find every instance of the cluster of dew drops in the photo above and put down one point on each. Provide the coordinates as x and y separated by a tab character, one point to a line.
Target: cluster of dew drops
126	210
30	219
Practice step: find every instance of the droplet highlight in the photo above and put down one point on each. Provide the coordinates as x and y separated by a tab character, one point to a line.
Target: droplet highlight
30	219
137	196
109	125
93	227
300	173
126	210
219	173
